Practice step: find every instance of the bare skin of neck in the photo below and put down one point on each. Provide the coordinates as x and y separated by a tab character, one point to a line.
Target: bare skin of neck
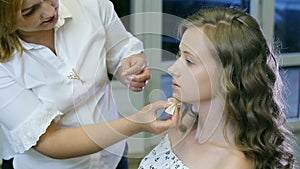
216	153
45	38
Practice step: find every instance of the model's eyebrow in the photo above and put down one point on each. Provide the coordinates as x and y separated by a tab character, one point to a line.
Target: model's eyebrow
185	51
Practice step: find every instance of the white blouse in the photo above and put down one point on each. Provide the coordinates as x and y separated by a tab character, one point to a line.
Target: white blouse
162	157
39	86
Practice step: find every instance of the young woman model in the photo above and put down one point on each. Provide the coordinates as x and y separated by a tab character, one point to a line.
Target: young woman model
56	105
228	74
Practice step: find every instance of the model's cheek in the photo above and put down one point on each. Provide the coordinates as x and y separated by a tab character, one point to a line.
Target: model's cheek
189	89
200	86
189	96
206	88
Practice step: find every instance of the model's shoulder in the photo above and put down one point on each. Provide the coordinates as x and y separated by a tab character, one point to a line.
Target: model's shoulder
235	160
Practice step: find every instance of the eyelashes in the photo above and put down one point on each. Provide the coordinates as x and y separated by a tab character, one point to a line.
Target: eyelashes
189	62
185	58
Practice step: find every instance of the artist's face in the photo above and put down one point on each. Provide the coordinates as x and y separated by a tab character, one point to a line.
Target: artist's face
37	15
193	72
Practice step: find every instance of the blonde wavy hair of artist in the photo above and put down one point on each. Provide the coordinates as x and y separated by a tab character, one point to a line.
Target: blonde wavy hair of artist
251	83
9	42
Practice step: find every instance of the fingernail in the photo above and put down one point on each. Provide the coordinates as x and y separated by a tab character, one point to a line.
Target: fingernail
130	77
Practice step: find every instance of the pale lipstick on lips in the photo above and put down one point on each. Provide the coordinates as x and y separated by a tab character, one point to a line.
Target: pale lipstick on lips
175	85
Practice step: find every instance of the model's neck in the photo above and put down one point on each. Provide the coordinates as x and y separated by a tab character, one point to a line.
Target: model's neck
211	122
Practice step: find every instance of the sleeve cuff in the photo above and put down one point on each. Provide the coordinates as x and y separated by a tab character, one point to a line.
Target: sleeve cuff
27	134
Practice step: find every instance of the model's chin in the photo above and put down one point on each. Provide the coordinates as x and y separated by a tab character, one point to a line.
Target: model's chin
177	96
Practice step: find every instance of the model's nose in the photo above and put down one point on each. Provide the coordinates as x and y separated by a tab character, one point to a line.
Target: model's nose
173	70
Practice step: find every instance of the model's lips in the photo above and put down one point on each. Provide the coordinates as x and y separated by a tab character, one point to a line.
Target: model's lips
175	85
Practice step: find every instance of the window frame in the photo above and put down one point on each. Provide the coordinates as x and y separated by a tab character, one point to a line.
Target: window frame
260	9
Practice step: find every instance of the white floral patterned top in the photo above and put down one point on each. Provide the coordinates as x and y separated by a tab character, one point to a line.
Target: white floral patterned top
162	157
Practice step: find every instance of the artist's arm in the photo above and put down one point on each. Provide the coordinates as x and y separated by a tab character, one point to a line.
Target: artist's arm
77	141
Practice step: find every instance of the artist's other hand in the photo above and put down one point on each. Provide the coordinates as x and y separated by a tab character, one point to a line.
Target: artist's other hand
135	72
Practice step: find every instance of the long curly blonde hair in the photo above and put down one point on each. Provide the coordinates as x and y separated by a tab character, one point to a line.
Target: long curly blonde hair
9	42
251	82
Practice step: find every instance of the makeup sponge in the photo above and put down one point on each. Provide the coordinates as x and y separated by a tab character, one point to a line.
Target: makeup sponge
171	109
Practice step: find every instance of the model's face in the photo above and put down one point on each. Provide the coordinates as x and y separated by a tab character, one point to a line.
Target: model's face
37	15
194	72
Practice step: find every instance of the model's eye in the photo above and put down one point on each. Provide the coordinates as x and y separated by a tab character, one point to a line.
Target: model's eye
188	61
